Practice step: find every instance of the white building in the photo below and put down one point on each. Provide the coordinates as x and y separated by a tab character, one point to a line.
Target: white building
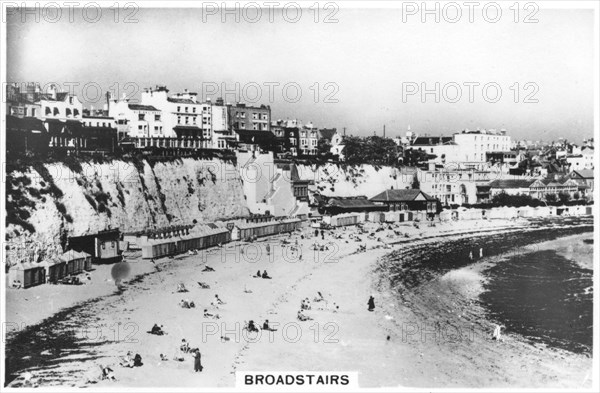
222	133
143	121
182	115
583	160
474	145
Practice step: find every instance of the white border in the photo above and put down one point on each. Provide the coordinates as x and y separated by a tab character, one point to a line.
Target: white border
595	5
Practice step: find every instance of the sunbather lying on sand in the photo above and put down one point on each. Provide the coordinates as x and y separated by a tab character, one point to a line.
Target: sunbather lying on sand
157	330
203	285
210	315
303	317
181	288
208	269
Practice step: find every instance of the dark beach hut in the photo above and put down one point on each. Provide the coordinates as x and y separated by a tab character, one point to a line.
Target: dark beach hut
29	274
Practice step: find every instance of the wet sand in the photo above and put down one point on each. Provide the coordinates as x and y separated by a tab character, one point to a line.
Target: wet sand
68	347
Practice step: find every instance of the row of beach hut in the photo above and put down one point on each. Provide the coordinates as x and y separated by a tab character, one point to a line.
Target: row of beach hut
51	270
198	238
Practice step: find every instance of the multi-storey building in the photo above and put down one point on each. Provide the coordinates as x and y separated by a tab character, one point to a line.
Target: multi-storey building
183	117
250	118
223	135
309	139
474	145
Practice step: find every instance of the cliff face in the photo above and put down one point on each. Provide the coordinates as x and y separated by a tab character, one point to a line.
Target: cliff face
367	180
47	203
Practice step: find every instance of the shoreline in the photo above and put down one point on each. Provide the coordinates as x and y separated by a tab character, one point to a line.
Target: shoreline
361	336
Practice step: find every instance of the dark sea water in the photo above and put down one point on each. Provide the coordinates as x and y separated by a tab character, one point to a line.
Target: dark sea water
544	297
538	294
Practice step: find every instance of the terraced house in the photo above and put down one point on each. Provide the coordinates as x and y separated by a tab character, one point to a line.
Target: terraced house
536	188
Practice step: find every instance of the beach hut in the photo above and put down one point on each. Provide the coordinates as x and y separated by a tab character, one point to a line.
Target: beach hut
525	212
588	210
75	261
56	269
29	274
445	215
393	216
562	211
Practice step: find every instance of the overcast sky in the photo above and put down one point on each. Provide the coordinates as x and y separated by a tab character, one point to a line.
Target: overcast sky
367	57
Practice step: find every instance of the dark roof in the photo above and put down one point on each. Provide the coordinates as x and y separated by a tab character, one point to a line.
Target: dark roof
351	203
585	173
25	123
253	136
401	196
432	140
327	133
187	127
512	183
138	107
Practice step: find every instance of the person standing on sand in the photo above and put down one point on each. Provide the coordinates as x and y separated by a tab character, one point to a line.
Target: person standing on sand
371	303
197	361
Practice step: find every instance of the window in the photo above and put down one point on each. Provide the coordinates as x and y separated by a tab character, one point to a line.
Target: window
194	109
243	125
103	246
155	128
56	112
141	117
254	126
178	119
178	109
255	116
265	116
303	142
140	127
70	100
156	117
32	112
187	120
48	110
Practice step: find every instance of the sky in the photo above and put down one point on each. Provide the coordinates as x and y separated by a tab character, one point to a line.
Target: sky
363	71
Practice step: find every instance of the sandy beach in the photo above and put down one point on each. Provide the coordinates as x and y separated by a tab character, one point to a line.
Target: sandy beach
77	329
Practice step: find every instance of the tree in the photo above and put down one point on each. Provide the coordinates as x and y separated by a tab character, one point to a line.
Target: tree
415	184
564	197
551	197
576	196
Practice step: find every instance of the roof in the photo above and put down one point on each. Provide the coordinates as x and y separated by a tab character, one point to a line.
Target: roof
585	173
327	133
433	140
401	196
25	123
181	100
138	107
512	183
353	202
253	136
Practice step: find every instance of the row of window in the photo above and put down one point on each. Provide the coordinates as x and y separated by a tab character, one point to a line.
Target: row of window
255	115
142	117
56	112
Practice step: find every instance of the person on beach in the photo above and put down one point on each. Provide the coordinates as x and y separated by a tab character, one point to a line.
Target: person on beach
303	317
258	275
185	346
266	275
267	327
107	373
197	361
251	326
127	360
181	288
268	247
322	234
157	330
316	233
371	303
209	315
218	300
497	335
